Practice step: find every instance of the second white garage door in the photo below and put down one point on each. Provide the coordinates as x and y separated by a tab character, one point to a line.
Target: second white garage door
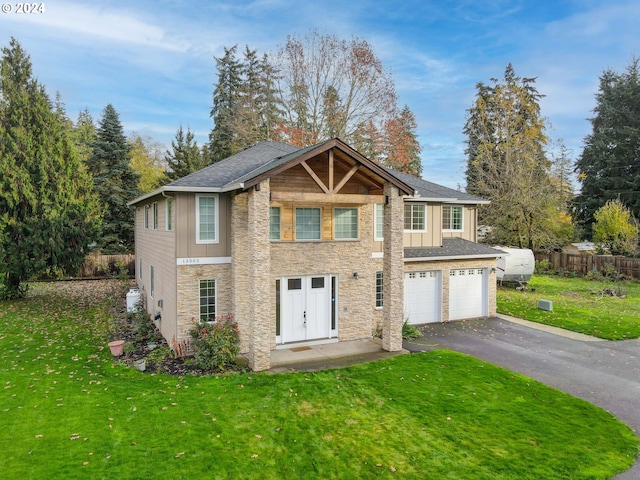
422	297
468	293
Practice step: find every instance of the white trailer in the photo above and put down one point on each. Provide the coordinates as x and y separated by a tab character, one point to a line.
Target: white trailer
516	265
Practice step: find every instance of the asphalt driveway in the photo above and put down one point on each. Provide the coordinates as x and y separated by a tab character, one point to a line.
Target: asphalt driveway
604	373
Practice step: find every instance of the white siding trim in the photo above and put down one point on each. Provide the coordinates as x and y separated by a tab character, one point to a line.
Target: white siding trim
202	260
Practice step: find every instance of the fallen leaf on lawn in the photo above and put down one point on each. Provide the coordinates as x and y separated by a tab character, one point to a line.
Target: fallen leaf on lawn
258	436
255	455
39	436
392	468
180	454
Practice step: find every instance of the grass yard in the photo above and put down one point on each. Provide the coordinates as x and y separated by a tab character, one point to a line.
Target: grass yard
68	411
577	305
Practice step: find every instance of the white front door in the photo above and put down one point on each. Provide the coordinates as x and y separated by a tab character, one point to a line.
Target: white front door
306	309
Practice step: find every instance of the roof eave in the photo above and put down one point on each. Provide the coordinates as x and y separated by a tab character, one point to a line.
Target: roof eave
454	257
178	189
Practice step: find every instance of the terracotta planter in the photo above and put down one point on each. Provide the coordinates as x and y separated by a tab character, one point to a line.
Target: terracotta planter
116	347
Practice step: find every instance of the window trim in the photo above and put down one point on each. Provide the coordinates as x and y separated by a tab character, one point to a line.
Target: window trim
271	237
216	220
295	229
379	289
151	281
461	229
376	226
215	300
357	236
424	209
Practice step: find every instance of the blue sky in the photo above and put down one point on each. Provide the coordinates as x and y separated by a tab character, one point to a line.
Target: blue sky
154	60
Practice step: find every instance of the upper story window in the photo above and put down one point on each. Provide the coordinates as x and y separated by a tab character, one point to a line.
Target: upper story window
345	223
154	207
308	225
206	219
169	212
452	217
274	223
146	216
415	217
378	233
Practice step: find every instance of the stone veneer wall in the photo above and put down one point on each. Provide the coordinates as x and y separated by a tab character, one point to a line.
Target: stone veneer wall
188	305
393	270
340	258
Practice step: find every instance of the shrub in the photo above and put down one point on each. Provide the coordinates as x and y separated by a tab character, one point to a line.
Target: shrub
215	345
409	332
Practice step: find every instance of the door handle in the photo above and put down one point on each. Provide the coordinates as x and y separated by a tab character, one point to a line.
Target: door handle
304	315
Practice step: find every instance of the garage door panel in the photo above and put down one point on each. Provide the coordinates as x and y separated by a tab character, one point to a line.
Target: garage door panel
423	297
467	293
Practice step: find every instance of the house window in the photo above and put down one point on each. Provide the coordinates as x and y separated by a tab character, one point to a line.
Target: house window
207	300
151	281
307	224
206	219
345	223
146	216
168	212
414	218
452	217
155	215
140	268
378	233
274	223
379	290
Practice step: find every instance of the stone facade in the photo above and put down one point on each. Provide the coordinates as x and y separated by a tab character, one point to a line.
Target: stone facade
393	270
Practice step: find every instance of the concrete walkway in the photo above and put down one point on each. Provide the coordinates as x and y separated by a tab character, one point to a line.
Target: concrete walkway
324	356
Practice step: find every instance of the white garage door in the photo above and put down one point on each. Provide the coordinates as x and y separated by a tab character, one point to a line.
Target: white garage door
422	297
468	293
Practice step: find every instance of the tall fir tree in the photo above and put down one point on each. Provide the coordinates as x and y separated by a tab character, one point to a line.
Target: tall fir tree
609	167
84	134
48	213
184	157
507	164
115	183
225	102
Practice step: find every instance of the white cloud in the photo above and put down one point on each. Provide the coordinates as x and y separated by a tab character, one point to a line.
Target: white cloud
101	23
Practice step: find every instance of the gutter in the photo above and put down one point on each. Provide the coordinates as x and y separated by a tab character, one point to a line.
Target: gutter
178	189
452	257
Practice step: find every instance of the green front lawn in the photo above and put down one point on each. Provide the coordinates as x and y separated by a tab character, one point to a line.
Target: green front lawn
578	305
68	411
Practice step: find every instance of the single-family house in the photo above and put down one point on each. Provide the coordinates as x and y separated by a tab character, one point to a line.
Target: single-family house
307	245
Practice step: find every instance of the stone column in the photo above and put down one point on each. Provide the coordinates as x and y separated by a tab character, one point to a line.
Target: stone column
259	275
393	269
240	267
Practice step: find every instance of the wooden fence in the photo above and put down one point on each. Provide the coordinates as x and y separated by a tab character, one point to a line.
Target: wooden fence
583	264
96	266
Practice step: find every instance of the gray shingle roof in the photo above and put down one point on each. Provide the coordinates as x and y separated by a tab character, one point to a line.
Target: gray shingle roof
233	169
452	247
432	191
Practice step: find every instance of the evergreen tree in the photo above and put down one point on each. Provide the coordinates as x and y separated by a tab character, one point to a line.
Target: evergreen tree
609	167
84	134
507	164
115	183
185	157
225	103
48	214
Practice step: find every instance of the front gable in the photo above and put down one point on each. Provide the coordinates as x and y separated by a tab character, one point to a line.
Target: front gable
328	172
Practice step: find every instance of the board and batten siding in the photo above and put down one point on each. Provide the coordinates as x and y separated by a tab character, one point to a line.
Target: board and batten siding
185	228
157	248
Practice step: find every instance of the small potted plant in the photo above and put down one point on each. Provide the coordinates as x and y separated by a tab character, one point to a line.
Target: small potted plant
117	347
